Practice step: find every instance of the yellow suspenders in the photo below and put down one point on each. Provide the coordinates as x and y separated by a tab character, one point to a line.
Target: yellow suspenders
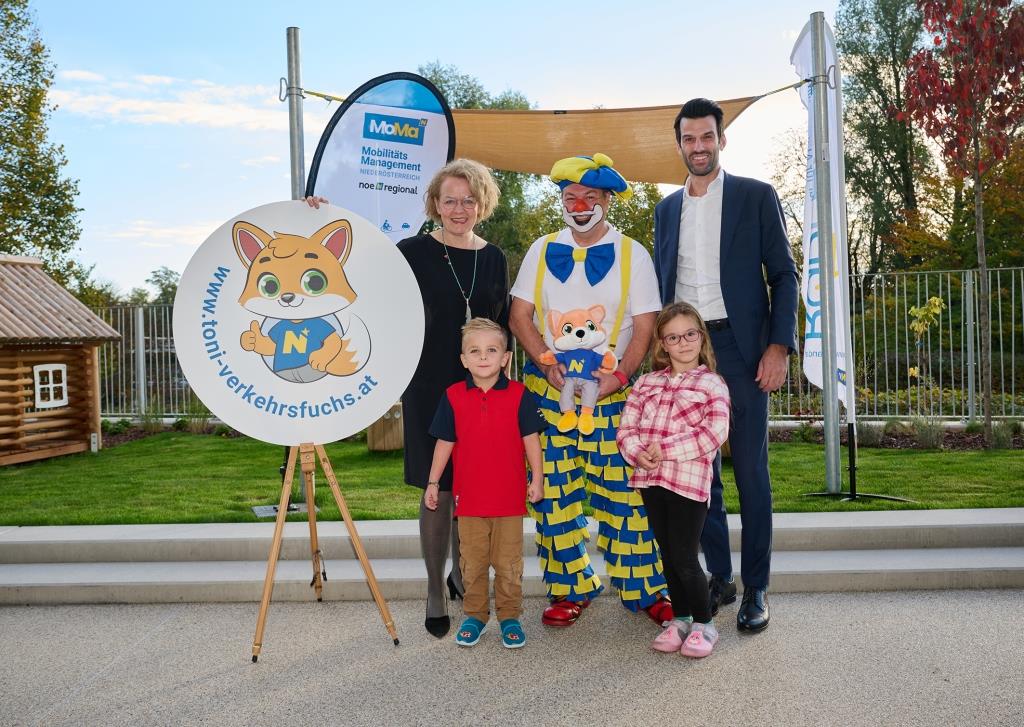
624	267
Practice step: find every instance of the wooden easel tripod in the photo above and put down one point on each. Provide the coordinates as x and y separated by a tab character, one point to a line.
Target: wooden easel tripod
308	453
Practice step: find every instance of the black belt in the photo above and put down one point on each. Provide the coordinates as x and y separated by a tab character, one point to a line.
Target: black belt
719	324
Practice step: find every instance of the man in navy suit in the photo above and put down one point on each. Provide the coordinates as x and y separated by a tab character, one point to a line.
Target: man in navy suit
720	245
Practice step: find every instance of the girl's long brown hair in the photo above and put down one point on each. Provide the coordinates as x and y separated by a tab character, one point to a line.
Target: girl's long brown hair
659	357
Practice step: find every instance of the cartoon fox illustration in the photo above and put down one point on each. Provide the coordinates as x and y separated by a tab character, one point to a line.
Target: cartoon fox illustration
576	334
298	285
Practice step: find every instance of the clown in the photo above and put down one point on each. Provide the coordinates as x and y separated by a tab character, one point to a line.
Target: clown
589	263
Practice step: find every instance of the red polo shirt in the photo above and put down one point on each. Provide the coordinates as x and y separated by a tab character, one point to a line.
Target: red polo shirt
489	460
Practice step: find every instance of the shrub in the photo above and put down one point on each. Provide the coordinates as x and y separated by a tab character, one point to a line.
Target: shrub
975	427
927	432
152	420
895	427
806	433
1002	435
223	430
118	426
197	416
868	434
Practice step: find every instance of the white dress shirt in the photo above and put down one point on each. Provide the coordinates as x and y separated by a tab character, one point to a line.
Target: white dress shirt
698	277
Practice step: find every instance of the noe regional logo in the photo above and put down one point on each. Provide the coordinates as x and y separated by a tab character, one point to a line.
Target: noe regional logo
394	128
297	344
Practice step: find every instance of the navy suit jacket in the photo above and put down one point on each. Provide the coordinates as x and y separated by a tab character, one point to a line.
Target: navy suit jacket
754	259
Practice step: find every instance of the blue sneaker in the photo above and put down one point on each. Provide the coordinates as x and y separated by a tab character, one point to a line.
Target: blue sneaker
470	631
512	634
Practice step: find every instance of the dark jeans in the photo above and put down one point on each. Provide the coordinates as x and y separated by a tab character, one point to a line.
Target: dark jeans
676	522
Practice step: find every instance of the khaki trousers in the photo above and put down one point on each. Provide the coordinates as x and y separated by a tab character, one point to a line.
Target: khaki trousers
492	542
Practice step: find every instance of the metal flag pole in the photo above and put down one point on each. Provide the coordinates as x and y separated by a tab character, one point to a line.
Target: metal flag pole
830	403
293	92
829	298
846	292
297	162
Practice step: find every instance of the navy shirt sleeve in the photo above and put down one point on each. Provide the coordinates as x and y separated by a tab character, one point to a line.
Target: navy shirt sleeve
443	426
531	421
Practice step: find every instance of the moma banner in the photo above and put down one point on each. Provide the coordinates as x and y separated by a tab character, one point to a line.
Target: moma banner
811	287
296	325
380	150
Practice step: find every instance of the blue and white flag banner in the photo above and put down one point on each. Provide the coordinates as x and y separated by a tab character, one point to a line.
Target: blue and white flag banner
380	150
810	286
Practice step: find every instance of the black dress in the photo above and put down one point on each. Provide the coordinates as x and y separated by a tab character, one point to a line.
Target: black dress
445	313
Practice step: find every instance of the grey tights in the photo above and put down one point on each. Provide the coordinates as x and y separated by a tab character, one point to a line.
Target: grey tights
439	535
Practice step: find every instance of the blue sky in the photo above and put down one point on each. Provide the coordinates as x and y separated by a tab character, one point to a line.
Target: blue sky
170	119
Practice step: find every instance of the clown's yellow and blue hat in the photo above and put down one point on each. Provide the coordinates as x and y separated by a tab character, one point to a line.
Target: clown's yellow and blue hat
595	171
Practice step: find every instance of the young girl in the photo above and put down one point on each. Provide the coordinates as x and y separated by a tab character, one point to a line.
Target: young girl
674	421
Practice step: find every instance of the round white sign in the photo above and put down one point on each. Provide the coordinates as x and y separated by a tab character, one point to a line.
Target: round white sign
296	325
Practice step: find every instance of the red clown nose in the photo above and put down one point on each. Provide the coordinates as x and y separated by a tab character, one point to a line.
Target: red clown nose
580	205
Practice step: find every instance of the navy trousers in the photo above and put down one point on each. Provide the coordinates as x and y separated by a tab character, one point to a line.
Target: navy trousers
748	443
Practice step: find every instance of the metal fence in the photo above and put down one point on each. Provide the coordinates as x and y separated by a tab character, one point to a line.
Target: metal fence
139	374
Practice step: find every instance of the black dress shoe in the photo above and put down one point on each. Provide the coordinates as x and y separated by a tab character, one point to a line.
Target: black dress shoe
437	626
753	613
720	593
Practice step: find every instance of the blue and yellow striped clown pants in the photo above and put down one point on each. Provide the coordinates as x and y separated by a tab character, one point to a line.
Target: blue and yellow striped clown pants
575	466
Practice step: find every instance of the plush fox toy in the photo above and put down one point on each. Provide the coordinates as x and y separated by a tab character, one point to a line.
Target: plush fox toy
298	286
576	334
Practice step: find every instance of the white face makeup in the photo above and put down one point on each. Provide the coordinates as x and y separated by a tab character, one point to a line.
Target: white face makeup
581	207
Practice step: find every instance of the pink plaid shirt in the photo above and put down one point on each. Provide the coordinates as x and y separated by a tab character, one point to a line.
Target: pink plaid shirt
688	414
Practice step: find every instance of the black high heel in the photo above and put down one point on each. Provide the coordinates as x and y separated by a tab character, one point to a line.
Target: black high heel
437	626
453	592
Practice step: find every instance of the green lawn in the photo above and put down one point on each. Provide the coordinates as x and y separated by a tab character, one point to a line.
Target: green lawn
186	478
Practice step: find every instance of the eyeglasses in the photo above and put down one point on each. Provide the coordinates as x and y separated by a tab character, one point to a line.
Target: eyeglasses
673	338
448	204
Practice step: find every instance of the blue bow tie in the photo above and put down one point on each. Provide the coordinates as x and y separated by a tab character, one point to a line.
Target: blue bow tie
597	261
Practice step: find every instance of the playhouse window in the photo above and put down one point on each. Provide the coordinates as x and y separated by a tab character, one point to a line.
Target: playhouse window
51	385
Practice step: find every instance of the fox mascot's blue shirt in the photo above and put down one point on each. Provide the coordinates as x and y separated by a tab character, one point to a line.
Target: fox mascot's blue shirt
295	340
580	363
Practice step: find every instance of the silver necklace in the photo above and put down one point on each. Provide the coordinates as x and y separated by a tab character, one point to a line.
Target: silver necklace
472	286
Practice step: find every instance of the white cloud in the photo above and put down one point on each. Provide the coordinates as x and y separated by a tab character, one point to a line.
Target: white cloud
147	233
261	161
154	80
148	99
79	75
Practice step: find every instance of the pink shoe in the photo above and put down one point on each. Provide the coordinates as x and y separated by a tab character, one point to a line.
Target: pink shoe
671	638
700	642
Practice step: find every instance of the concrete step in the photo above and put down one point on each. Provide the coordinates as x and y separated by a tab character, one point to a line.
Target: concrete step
405	578
386	539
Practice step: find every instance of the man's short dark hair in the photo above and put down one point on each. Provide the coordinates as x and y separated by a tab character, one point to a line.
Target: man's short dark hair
698	108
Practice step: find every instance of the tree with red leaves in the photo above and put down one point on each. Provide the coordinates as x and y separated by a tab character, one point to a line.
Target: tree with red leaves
966	92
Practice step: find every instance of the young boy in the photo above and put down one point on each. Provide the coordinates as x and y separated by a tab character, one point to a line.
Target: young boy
488	423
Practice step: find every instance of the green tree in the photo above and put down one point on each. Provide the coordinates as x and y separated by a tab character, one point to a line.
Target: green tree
967	92
94	293
38	212
137	296
505	227
165	282
883	155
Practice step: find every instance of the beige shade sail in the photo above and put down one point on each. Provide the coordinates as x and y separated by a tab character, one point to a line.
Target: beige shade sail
639	140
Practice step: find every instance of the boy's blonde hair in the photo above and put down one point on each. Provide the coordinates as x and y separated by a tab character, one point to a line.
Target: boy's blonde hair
659	357
484	325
